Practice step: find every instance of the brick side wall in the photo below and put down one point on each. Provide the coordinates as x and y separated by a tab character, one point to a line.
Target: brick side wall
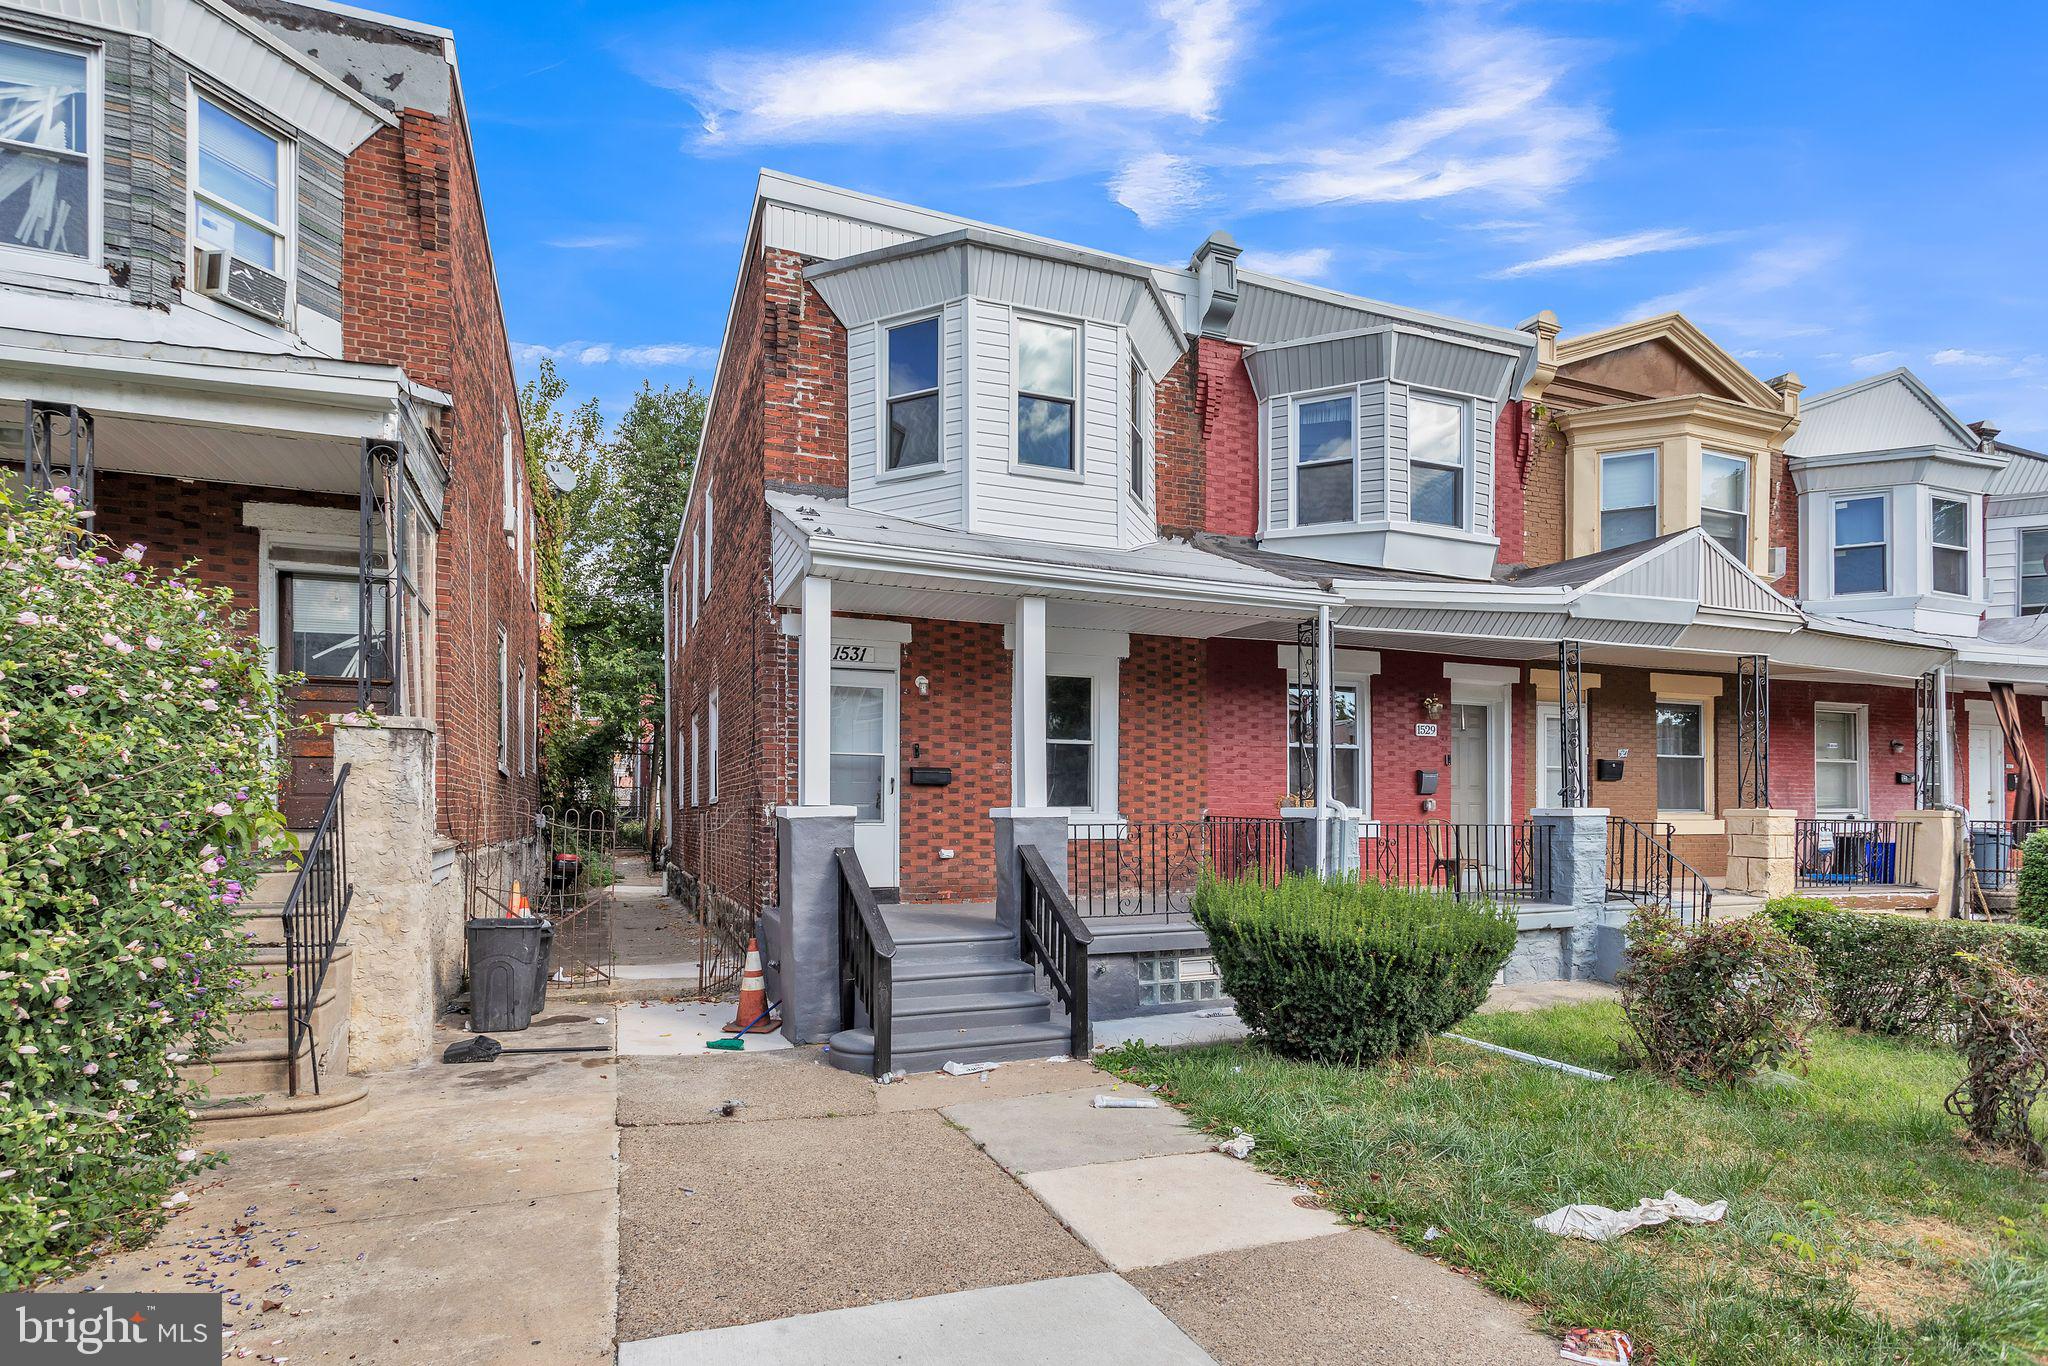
1247	730
1177	448
1229	413
1509	430
1785	523
1792	744
1543	493
803	380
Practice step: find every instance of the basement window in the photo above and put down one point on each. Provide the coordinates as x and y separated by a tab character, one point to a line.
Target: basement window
1171	977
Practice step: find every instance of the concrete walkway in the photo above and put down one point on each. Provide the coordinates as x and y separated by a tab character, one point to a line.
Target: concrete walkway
774	1210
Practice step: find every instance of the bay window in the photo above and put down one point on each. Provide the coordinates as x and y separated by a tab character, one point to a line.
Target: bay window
2034	572
1436	461
1951	546
1326	461
1860	545
913	374
238	203
1046	387
1628	498
1724	501
1681	756
47	148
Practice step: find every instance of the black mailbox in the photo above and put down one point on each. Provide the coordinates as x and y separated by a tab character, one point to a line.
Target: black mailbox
1425	782
931	777
1607	770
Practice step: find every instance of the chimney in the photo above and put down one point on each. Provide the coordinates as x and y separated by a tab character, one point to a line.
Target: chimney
1788	388
1987	436
1546	328
1215	267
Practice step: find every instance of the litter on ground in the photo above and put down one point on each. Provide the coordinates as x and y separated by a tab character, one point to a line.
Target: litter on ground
1126	1103
1239	1145
1599	1224
968	1069
1597	1347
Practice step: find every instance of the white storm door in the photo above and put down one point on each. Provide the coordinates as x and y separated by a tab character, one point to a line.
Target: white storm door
864	766
1987	771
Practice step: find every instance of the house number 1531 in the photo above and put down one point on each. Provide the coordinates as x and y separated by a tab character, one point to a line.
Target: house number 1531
850	654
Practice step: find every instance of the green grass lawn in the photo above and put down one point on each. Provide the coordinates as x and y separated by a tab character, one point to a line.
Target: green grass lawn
1859	1229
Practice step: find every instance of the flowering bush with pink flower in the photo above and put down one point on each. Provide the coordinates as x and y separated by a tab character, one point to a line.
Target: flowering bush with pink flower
131	814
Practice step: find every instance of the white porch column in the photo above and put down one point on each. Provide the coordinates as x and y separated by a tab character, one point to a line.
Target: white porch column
814	695
1945	760
1323	713
1027	664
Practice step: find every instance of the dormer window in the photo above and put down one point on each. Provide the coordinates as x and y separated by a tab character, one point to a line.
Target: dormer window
46	148
1326	463
1952	546
1046	387
1628	498
1436	461
2034	572
1724	501
913	370
1860	555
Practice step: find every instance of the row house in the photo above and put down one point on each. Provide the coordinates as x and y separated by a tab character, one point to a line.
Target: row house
1020	582
248	316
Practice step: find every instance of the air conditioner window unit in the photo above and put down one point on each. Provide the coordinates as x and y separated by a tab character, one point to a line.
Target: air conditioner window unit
220	275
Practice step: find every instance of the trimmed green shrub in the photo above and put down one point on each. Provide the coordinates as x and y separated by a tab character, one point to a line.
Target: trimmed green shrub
2030	888
138	782
1718	1004
1894	974
1346	971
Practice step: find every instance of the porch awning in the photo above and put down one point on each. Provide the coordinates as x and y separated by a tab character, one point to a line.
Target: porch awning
888	566
2006	650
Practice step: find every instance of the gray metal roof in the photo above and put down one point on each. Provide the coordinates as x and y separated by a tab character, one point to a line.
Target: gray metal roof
1888	412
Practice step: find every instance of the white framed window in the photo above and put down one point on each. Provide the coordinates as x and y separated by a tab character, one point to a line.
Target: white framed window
533	732
1348	700
1325	442
1436	460
910	372
711	745
2033	571
1724	501
240	187
1861	557
696	761
1841	783
1951	541
519	735
1047	356
1139	432
705	587
1550	750
1628	498
1081	734
508	478
504	704
50	158
1682	756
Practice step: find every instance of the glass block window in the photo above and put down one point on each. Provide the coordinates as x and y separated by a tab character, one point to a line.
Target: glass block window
1171	977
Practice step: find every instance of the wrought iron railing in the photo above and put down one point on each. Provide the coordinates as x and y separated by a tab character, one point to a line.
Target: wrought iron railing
1052	939
867	954
1153	867
1995	849
1852	853
313	913
1643	868
1475	861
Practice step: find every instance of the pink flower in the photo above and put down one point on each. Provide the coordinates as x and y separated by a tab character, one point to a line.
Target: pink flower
77	690
61	1002
219	809
26	618
134	553
153	642
92	1069
109	638
64	496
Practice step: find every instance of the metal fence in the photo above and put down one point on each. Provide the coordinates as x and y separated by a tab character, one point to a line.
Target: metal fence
1502	862
1152	867
1995	848
1852	853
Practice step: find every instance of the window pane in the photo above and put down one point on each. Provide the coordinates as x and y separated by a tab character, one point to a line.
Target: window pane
324	641
1325	430
1433	496
857	782
1678	729
1724	483
242	240
43	202
858	719
1834	787
1835	735
1951	570
1436	431
1860	570
1045	359
1951	523
1069	775
42	97
1629	481
1344	716
1045	432
237	162
1069	703
2034	592
914	357
1859	521
1731	529
913	431
1681	784
1627	527
1324	493
1344	776
2034	552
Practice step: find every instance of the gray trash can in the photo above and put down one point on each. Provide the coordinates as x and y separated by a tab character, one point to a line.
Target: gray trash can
507	966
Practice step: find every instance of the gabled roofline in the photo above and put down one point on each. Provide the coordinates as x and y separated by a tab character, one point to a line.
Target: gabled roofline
1687	336
1956	426
1506	336
255	29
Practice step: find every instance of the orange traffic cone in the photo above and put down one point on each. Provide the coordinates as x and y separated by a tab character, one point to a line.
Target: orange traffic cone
753	1011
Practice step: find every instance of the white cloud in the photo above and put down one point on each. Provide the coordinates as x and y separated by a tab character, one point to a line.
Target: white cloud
1308	263
1158	187
1877	360
1609	249
1509	131
596	241
961	61
1773	293
1956	356
657	355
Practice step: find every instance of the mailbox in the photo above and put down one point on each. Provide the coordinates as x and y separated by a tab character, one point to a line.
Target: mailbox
931	777
1607	770
1425	782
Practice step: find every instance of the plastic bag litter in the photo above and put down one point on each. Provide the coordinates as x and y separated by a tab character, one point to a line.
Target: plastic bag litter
481	1048
1597	1347
1239	1145
1599	1224
1126	1103
891	1078
967	1069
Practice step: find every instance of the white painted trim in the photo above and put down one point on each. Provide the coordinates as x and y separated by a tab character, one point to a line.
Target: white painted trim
1555	708
889	678
90	268
1340	677
1709	792
854	629
882	327
1076	640
1500	674
814	694
1076	473
1027	704
1105	674
300	519
1347	661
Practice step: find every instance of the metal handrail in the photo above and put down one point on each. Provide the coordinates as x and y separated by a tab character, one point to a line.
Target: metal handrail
1153	867
1645	869
2004	840
313	913
1052	938
867	954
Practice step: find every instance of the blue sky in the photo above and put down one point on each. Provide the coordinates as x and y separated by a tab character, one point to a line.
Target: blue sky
1829	188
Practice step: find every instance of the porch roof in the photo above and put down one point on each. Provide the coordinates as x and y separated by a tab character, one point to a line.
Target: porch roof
2006	650
891	566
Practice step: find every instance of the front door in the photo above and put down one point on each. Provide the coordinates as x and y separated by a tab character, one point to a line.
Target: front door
1471	763
864	766
1987	770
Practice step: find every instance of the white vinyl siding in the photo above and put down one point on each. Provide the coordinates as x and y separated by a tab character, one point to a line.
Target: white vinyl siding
926	493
